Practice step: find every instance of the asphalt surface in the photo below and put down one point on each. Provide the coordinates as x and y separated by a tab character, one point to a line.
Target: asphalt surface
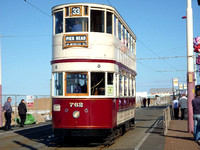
145	136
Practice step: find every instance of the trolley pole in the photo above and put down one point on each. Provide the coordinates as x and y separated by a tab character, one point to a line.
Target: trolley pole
190	65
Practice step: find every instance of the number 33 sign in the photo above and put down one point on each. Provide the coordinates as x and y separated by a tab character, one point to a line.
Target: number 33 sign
75	11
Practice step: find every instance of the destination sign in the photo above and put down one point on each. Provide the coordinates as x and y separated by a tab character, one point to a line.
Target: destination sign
80	40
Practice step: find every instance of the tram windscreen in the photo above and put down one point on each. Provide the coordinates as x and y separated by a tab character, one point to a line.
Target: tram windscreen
76	24
76	83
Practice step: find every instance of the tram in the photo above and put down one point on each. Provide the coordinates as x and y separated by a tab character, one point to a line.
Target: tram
93	71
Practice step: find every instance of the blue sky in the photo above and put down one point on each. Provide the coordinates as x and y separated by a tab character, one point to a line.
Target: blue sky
157	24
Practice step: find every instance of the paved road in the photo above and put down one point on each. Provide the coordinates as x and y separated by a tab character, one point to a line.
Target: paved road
144	136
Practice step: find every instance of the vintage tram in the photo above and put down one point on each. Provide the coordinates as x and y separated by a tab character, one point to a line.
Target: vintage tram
93	71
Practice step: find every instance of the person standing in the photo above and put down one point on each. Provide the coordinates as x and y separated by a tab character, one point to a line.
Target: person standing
176	108
22	112
144	102
7	109
196	116
183	106
148	101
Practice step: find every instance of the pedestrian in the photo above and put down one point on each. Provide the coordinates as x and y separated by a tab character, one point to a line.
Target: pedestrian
175	107
7	109
183	105
196	116
144	102
22	112
148	101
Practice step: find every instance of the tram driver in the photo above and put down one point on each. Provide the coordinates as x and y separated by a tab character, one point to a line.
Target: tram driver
77	27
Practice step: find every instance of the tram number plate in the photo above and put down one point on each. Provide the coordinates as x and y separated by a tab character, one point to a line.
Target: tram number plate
76	104
76	11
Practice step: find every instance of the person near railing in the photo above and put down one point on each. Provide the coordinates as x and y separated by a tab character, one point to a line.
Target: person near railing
175	107
7	109
183	105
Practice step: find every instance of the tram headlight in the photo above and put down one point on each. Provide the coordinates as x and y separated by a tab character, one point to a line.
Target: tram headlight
56	107
76	114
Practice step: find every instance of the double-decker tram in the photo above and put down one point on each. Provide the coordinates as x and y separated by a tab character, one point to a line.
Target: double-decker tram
93	71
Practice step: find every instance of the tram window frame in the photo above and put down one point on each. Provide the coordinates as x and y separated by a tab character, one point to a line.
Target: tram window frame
127	34
110	84
86	10
75	24
133	87
98	83
78	86
124	35
58	84
109	22
119	30
130	45
121	85
58	22
115	26
130	86
125	85
97	21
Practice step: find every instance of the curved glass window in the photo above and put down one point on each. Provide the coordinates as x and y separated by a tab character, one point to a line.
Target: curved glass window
58	22
97	21
76	24
58	84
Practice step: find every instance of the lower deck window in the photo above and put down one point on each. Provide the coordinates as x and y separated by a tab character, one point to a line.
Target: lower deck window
58	84
76	83
97	83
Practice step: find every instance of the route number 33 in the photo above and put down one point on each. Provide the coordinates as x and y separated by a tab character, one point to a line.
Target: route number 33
76	11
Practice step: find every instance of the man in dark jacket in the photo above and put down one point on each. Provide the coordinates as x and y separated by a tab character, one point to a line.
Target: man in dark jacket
7	109
22	112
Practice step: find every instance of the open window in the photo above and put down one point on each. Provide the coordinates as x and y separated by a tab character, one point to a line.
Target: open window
76	84
121	85
58	84
97	83
58	22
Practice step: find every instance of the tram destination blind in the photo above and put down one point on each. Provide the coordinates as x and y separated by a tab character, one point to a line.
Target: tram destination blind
75	40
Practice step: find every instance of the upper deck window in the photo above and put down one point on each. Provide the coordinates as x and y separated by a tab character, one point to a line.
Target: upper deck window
109	22
119	30
58	22
97	21
76	24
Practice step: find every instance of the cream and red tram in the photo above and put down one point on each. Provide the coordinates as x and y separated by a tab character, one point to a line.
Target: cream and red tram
93	70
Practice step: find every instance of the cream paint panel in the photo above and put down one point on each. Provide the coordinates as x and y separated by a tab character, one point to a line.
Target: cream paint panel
83	67
125	115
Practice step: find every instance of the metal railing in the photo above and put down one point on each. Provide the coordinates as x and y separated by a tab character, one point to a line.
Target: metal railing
40	109
166	119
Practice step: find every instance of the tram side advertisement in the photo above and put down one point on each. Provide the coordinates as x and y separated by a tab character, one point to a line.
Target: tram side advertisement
75	40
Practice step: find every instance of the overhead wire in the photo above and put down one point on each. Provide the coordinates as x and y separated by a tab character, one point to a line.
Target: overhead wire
37	8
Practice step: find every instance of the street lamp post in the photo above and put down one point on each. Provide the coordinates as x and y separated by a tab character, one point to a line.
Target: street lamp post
1	122
190	66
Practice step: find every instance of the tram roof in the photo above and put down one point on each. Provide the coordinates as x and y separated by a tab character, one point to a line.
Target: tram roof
100	6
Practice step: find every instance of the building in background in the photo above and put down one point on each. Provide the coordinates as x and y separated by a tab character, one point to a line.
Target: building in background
160	92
